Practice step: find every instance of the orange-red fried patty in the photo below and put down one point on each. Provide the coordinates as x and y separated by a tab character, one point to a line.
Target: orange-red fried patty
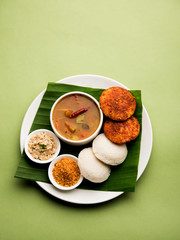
121	132
117	103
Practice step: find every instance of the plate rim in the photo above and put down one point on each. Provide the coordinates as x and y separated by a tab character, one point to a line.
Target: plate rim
47	186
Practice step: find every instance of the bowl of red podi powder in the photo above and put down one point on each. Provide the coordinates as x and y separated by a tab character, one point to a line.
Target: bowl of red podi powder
64	172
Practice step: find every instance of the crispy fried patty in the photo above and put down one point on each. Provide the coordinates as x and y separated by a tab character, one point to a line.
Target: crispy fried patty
117	103
121	132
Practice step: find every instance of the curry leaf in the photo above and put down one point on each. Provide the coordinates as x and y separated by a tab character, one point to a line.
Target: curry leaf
42	145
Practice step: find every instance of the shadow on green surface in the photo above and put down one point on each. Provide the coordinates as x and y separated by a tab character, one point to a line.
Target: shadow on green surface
25	185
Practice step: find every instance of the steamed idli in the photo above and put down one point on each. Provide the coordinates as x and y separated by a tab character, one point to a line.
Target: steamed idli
109	152
91	168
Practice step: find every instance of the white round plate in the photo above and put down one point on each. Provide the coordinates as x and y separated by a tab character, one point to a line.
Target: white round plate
81	196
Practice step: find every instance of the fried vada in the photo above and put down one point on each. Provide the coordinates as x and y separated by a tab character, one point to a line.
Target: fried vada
121	132
117	103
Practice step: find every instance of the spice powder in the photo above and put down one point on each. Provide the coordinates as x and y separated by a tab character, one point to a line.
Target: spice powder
66	172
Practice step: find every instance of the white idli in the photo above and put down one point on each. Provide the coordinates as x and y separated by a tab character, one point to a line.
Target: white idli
109	152
91	168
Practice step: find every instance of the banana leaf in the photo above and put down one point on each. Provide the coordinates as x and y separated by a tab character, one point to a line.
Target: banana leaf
123	177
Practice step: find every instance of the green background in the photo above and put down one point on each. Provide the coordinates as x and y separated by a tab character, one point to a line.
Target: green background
136	42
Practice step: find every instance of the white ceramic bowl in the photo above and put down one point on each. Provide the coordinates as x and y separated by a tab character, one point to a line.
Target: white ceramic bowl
55	139
84	141
51	178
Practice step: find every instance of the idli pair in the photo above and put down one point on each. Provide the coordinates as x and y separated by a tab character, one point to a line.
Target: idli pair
94	162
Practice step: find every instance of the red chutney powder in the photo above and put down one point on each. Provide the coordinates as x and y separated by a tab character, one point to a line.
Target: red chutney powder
66	172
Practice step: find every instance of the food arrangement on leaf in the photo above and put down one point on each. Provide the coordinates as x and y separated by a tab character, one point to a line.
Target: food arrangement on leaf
75	118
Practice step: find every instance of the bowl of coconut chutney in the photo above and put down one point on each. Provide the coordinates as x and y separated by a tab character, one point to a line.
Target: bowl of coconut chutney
42	146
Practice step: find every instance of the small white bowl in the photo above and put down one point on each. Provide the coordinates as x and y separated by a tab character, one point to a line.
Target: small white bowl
90	138
55	139
51	178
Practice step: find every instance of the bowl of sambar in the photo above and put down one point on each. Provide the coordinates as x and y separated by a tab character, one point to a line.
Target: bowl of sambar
76	118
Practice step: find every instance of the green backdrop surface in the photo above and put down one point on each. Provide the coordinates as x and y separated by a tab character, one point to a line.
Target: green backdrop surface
135	42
